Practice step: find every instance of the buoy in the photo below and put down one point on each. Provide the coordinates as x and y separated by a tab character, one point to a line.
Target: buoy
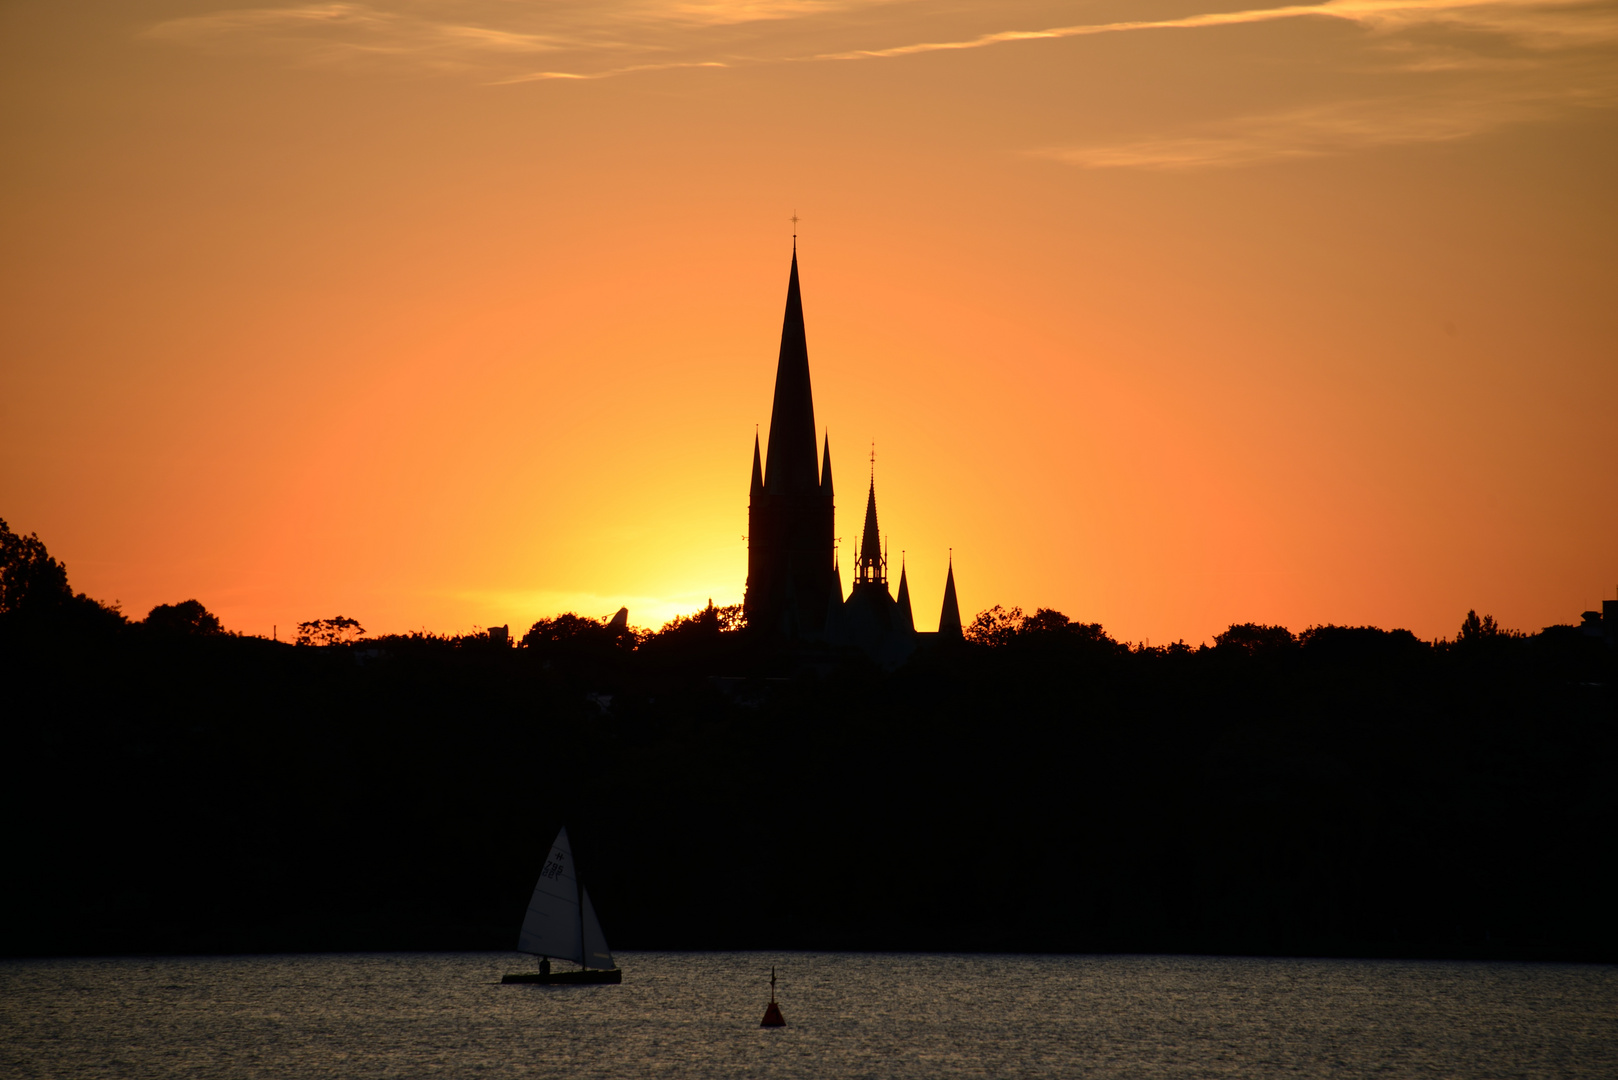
772	1015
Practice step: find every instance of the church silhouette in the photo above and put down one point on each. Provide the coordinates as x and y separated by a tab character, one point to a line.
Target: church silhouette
794	582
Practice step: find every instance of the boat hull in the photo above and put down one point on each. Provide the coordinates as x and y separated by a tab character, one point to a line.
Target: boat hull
586	977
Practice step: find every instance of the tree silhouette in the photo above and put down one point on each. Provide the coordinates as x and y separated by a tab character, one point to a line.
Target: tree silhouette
188	617
1046	629
1359	644
338	630
30	580
568	629
1255	639
1049	626
1475	630
995	627
710	620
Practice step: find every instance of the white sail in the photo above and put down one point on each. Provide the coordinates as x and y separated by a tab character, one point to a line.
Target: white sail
596	953
553	926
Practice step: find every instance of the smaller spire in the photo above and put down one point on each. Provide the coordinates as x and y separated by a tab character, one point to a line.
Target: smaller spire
949	620
870	568
825	467
758	468
907	621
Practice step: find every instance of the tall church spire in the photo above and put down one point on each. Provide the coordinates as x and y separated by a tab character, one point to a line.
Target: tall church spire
790	511
789	466
949	620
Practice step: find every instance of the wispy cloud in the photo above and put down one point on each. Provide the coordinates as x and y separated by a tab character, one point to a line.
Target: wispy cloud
434	32
541	76
1488	88
1540	20
334	30
1488	62
731	12
1337	128
1342	127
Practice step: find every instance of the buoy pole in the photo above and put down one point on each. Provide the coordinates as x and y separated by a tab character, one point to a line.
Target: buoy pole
772	1015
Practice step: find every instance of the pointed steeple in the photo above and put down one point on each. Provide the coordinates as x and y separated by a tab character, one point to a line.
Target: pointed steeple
949	620
825	468
789	466
870	542
907	621
758	470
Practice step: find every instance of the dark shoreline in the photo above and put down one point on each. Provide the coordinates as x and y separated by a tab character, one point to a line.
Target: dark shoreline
1359	795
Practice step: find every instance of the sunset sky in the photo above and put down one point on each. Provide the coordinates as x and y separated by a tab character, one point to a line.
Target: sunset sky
1165	313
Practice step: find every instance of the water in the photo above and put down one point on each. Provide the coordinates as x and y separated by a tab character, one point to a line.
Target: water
848	1015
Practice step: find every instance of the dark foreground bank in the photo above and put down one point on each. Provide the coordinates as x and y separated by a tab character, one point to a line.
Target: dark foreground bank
1351	793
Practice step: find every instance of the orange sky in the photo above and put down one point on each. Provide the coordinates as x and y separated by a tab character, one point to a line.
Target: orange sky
1173	315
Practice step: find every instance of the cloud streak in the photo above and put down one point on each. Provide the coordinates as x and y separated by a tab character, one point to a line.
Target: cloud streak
1379	13
573	25
1337	128
733	12
334	30
541	76
1342	127
328	30
1486	63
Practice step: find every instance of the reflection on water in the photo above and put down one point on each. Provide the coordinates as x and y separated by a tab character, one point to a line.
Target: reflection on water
848	1015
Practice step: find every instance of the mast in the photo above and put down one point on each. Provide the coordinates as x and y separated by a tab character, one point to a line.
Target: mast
578	884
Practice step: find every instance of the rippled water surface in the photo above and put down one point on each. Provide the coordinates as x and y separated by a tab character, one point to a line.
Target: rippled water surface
848	1015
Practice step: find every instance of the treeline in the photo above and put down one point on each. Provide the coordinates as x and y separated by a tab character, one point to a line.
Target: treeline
1039	786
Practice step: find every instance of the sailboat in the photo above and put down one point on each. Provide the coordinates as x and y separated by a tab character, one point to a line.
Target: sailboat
561	923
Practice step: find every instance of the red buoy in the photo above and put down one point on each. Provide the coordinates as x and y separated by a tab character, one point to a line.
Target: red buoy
772	1015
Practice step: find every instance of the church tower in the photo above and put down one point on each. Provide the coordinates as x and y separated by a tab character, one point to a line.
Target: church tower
790	513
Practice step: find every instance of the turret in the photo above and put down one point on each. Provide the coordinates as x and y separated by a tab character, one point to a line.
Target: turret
949	620
907	621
